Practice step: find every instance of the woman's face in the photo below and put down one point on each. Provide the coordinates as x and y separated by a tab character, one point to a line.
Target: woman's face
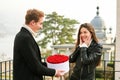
85	34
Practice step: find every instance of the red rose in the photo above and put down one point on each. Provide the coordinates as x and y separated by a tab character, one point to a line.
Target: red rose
57	58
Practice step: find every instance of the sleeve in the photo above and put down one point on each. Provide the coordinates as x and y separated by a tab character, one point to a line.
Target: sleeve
83	45
73	56
30	56
44	63
93	56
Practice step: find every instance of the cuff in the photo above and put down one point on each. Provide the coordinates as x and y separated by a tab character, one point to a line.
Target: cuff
83	45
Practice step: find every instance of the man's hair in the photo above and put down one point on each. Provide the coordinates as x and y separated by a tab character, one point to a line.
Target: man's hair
33	14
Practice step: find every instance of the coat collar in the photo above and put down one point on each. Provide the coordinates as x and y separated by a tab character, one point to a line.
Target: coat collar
30	30
93	43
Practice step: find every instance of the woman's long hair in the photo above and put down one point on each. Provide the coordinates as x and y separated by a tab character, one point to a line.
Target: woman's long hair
90	28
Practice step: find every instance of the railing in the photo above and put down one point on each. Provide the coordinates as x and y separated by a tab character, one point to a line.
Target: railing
106	71
6	69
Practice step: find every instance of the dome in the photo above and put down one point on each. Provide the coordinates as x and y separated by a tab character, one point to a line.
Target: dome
99	26
98	23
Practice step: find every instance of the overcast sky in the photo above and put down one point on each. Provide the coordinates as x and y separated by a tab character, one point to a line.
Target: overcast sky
12	14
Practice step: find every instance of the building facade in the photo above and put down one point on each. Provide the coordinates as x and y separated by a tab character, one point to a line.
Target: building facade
117	54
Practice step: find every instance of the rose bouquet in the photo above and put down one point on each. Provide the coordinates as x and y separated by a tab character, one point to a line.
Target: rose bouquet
58	61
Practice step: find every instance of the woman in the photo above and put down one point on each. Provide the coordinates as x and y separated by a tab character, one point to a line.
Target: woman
87	54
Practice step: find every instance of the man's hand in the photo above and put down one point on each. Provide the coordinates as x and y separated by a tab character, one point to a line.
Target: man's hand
59	73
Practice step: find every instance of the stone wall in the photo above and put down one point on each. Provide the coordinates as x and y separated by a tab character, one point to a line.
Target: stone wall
117	55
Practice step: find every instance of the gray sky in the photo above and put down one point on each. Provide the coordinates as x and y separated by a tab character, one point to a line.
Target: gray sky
12	14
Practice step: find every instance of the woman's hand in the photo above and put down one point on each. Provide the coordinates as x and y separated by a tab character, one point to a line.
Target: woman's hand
85	40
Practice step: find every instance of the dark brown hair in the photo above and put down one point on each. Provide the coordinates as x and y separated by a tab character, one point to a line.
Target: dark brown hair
33	14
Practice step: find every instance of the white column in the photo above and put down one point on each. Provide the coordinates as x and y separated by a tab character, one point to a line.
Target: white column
117	54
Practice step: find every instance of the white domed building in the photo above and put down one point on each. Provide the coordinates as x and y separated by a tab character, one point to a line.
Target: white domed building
100	27
104	37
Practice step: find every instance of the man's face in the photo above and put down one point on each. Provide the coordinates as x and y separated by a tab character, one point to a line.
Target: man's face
38	25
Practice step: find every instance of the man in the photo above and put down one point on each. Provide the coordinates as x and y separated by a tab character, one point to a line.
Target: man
27	64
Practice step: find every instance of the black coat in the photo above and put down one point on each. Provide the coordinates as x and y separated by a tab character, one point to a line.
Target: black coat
86	60
27	64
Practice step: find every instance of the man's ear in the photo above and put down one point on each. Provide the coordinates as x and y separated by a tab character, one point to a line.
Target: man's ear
32	22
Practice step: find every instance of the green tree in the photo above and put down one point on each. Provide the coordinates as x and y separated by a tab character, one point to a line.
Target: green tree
57	30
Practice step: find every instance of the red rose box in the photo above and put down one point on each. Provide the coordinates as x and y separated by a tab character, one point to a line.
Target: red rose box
58	61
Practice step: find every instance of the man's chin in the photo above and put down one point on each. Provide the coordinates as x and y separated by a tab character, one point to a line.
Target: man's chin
39	29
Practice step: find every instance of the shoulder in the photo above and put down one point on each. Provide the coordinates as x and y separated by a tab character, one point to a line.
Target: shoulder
23	35
97	44
100	44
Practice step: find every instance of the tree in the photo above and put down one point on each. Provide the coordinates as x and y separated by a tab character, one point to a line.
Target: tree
57	30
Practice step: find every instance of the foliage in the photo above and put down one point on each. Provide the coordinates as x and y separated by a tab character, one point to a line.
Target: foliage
110	64
57	30
107	74
46	54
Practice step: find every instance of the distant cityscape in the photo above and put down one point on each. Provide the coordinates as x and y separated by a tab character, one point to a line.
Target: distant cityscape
6	47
